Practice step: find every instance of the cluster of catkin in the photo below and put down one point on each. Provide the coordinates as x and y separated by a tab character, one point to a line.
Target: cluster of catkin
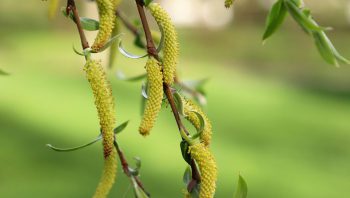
162	72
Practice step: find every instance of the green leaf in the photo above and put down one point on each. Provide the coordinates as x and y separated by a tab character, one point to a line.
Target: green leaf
89	24
128	54
86	23
136	171
139	193
275	18
147	2
187	177
184	151
242	189
298	3
121	127
202	125
324	47
299	16
121	76
74	148
179	103
109	43
2	72
138	41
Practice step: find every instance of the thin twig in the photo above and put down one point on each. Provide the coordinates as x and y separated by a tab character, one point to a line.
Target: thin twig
151	50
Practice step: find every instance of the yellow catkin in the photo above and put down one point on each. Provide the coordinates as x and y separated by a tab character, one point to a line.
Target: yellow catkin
228	3
207	167
171	45
105	107
53	6
155	96
192	117
106	11
108	176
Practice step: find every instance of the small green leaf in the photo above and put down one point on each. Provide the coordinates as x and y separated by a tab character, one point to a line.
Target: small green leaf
89	24
128	54
139	193
147	2
136	171
324	47
179	103
298	3
77	52
202	125
121	76
300	17
187	175
109	43
86	23
2	72
242	189
121	127
144	90
184	151
143	104
74	148
275	18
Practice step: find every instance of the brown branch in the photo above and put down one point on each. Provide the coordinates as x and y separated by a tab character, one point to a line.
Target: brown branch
84	43
151	49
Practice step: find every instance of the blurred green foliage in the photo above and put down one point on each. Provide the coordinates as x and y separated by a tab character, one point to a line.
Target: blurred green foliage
280	115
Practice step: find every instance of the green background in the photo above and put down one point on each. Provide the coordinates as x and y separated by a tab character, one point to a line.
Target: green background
280	114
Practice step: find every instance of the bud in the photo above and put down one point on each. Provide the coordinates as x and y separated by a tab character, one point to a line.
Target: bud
207	167
106	10
171	45
155	96
189	109
105	107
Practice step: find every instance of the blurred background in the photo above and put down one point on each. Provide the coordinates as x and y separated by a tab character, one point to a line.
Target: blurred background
280	114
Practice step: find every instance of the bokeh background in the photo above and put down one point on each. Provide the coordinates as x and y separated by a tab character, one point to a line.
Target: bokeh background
280	114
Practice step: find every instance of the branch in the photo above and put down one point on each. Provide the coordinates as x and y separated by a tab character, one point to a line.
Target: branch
84	43
151	50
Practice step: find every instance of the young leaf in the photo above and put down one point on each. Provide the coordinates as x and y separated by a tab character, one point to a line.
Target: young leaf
187	175
86	23
139	193
202	125
74	148
147	2
242	189
179	103
128	54
299	16
121	127
275	18
109	43
184	151
324	48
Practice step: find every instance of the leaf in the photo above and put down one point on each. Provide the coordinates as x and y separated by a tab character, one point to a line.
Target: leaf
121	127
139	193
187	177
121	76
138	41
109	43
77	52
89	24
147	2
86	23
143	104
179	103
202	125
324	49
136	171
74	148
184	151
299	16
242	189
144	90
275	18
128	54
3	73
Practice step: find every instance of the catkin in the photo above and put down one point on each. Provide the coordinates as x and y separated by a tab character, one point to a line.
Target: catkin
105	107
106	11
171	45
207	167
155	96
189	109
228	3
